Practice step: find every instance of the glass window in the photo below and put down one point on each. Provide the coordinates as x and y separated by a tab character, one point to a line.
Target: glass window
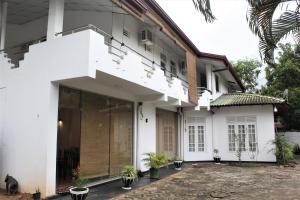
200	138
231	137
217	83
191	138
252	138
241	137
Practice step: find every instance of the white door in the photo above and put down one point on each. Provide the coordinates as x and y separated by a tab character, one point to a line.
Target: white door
195	148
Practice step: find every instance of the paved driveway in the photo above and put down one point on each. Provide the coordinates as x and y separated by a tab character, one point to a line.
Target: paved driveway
211	181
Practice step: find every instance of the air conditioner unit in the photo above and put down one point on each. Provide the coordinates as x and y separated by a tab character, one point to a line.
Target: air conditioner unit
147	38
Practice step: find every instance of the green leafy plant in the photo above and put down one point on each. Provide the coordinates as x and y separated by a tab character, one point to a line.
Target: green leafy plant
129	171
296	149
79	182
154	160
177	158
283	151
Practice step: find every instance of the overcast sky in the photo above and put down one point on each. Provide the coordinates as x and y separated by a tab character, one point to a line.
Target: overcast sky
229	35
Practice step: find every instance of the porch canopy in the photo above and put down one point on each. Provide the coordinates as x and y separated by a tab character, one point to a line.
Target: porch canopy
244	99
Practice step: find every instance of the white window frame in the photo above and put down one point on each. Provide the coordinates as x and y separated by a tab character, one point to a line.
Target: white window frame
201	137
249	144
192	135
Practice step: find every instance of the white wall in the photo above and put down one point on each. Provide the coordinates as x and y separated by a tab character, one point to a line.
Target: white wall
147	132
292	137
265	131
216	135
207	154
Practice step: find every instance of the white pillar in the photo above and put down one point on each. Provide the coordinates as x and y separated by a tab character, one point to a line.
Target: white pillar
3	23
208	77
55	18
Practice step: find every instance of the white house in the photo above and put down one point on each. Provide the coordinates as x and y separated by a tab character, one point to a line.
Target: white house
98	83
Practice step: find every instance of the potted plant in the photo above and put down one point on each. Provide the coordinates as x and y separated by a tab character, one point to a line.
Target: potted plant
154	162
79	192
128	174
217	158
37	194
178	163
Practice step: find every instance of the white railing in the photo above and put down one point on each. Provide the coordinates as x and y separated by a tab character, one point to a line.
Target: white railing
109	38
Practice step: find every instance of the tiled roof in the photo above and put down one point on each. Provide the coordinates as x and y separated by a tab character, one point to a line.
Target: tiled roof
239	99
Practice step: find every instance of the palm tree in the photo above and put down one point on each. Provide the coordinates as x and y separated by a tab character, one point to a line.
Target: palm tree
204	7
260	18
271	31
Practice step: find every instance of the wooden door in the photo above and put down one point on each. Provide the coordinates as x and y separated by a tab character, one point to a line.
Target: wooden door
166	133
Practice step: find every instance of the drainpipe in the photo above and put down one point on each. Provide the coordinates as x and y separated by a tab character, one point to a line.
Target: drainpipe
138	106
213	132
3	23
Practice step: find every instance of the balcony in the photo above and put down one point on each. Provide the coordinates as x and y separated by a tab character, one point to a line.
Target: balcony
204	98
87	55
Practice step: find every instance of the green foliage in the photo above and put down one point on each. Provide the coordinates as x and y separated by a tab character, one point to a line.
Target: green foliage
204	8
296	149
270	29
248	70
79	182
154	160
129	171
286	75
177	158
283	151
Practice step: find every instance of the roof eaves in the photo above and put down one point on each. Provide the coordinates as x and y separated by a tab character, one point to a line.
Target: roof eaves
227	64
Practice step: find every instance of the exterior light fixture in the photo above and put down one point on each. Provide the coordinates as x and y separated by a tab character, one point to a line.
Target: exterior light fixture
275	109
60	123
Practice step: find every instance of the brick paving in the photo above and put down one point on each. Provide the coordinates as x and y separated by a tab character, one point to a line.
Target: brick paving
211	181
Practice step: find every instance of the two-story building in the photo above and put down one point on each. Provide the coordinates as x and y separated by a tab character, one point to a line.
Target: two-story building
98	83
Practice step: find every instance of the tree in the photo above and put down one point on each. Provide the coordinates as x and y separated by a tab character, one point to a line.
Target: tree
261	21
286	75
204	7
248	70
270	31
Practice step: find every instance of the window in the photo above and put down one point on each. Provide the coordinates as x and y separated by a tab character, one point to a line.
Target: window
191	138
252	139
163	61
182	67
242	133
231	137
200	138
173	69
126	33
217	83
241	138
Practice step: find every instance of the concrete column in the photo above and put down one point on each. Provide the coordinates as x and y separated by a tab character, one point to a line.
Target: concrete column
208	77
55	18
3	15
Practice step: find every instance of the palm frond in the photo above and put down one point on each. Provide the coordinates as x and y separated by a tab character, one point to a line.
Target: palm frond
288	23
205	9
260	20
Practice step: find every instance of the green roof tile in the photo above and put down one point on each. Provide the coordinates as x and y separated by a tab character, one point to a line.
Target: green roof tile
238	99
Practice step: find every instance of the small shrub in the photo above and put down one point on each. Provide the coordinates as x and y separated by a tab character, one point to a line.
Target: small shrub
154	160
129	171
78	180
283	151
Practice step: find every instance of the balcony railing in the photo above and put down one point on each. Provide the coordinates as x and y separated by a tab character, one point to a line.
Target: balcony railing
109	38
201	90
